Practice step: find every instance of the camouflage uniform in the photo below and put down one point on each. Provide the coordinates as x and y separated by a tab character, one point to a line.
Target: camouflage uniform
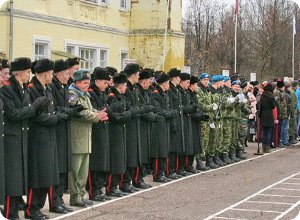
244	112
227	119
282	107
214	134
204	100
293	116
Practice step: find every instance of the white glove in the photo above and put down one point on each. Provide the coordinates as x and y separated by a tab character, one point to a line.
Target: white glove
245	101
214	106
230	100
241	97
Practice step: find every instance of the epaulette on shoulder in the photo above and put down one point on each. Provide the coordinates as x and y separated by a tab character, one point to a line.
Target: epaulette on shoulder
111	94
91	90
30	85
155	91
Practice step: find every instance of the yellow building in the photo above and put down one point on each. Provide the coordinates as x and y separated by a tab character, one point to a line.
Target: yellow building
103	32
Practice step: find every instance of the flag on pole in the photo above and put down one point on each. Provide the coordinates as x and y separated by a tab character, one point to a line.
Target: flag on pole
294	26
236	7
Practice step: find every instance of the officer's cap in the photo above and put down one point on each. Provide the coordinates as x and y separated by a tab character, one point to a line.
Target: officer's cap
82	74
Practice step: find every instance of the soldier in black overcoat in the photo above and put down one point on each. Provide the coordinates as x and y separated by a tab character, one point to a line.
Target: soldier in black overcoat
119	113
188	109
99	166
160	130
17	110
133	132
60	93
177	146
146	119
43	169
196	118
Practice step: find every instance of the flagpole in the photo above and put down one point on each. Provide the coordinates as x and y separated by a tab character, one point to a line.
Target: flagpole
293	59
235	35
293	56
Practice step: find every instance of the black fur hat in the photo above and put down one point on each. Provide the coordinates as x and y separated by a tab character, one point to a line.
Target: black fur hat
120	78
21	63
43	65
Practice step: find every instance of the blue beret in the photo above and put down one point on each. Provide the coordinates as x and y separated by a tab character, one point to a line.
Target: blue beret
216	78
222	77
226	78
204	75
236	82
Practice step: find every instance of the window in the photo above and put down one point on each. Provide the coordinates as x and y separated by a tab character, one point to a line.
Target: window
41	50
124	4
103	2
92	55
88	56
124	55
103	58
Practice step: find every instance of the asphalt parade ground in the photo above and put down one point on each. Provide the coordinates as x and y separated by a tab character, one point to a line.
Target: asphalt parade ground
261	187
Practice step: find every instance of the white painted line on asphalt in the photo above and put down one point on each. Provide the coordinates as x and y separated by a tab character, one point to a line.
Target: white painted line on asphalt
296	184
276	203
253	195
162	185
287	189
275	195
255	210
287	211
220	217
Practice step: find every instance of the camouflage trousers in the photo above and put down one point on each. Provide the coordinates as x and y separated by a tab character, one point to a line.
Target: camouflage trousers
214	136
226	141
205	129
242	133
235	131
293	127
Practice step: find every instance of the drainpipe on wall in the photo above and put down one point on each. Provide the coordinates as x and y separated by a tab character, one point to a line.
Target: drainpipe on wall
11	29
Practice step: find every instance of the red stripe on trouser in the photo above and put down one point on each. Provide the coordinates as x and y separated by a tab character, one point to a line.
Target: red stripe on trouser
51	196
186	162
7	207
90	185
121	180
168	167
108	183
155	169
136	178
29	202
177	164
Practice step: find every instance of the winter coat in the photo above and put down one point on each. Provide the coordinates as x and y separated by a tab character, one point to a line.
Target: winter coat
81	128
17	112
267	104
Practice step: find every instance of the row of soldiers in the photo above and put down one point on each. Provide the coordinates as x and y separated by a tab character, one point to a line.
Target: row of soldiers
69	129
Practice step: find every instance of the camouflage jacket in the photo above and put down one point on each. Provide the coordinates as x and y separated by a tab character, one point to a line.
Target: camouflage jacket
281	104
294	103
205	101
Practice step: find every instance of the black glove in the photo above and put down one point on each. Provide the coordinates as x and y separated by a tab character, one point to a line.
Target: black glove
148	108
205	118
74	112
135	111
159	118
195	108
41	103
62	117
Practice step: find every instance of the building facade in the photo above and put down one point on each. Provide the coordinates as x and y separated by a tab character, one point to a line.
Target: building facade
102	32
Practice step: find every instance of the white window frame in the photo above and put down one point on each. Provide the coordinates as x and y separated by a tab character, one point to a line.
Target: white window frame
98	2
123	52
127	5
41	40
77	45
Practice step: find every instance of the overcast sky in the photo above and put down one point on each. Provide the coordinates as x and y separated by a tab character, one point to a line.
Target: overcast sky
186	3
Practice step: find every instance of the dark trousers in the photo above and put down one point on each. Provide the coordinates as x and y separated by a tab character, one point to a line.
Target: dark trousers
96	181
160	165
267	135
11	207
171	166
36	200
189	160
180	162
56	192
